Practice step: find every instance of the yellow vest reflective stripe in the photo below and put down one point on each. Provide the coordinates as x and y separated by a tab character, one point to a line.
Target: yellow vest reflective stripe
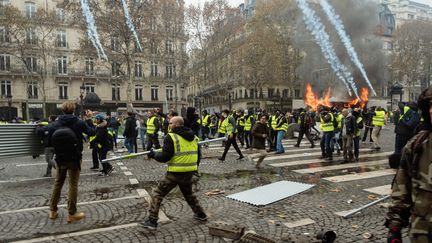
185	157
379	118
205	120
339	120
274	122
151	128
43	123
92	138
228	126
358	131
299	118
248	124
241	121
284	127
406	109
221	127
327	127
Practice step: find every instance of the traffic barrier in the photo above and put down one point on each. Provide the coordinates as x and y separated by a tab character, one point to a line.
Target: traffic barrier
18	140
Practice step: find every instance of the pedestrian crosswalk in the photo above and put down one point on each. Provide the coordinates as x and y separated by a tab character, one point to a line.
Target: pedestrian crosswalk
305	160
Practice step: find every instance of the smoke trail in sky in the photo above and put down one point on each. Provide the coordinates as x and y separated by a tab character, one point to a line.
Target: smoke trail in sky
130	24
314	25
91	29
337	22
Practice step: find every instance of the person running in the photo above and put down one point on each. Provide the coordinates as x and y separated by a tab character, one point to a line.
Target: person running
230	126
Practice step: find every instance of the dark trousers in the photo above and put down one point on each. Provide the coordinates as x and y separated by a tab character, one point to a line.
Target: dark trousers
400	142
248	138
228	143
73	189
221	135
152	140
49	155
134	141
102	154
95	158
325	144
356	146
204	133
171	180
240	136
115	137
272	139
308	136
366	131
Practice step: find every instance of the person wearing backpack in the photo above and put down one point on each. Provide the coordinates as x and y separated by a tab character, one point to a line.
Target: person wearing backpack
305	122
67	141
102	143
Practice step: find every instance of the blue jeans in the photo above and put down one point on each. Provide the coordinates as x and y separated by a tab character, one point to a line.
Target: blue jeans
325	144
129	144
143	132
279	146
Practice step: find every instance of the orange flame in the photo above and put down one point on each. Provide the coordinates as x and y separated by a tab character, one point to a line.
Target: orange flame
364	96
311	99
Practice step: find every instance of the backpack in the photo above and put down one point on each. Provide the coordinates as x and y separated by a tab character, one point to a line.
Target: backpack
65	143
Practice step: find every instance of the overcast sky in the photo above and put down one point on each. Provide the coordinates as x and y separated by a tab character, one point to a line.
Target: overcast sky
236	3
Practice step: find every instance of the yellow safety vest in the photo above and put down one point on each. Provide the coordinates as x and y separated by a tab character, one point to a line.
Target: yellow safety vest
406	109
241	121
248	124
299	118
221	127
205	121
273	122
284	127
339	120
358	131
327	127
151	128
185	157
379	118
228	126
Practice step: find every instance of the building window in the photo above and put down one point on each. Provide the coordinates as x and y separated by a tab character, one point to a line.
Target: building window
4	2
154	93
270	92
411	16
63	90
32	90
154	69
169	93
153	23
115	46
4	35
31	38
61	38
115	91
31	63
138	92
6	88
4	63
241	94
89	87
89	66
30	9
138	69
62	65
285	93
61	14
169	46
153	47
115	69
167	26
296	93
169	70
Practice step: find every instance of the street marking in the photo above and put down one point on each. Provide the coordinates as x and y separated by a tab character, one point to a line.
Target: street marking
360	176
123	168
341	166
47	178
79	233
133	181
33	164
380	190
128	173
290	156
301	222
65	205
162	216
313	161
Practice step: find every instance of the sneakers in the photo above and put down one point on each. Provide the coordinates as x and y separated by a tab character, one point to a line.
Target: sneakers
201	216
312	146
240	158
221	158
296	145
47	175
77	216
52	215
329	158
149	223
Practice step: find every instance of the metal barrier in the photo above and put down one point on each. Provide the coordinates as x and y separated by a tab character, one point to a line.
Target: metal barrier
17	140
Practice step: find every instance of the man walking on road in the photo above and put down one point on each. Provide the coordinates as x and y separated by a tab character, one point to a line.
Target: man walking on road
305	122
259	133
230	127
182	154
378	121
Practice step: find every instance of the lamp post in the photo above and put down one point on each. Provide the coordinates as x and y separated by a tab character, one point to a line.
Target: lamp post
229	98
9	100
82	89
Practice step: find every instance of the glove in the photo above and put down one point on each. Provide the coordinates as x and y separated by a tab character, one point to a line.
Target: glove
151	154
394	236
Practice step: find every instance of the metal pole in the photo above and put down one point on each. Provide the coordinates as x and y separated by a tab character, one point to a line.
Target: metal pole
133	155
365	206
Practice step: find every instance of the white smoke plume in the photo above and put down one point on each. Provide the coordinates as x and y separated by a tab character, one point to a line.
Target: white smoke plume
340	29
314	25
130	24
91	29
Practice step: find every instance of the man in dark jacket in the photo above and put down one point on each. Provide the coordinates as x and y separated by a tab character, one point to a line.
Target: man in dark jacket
368	115
130	132
349	127
305	122
406	125
259	133
182	153
191	120
45	132
71	164
102	144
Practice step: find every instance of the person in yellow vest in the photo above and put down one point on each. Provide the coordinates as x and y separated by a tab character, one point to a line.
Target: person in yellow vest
327	126
230	127
281	128
182	154
337	133
249	123
205	125
221	129
240	121
357	113
378	120
101	143
273	132
153	127
213	126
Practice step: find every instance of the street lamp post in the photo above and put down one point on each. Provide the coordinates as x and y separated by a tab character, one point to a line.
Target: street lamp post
82	89
9	100
229	98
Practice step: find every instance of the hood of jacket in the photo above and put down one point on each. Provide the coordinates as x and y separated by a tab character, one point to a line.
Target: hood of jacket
67	119
185	132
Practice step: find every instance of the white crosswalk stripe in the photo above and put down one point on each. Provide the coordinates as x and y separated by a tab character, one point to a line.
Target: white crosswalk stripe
360	176
342	166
